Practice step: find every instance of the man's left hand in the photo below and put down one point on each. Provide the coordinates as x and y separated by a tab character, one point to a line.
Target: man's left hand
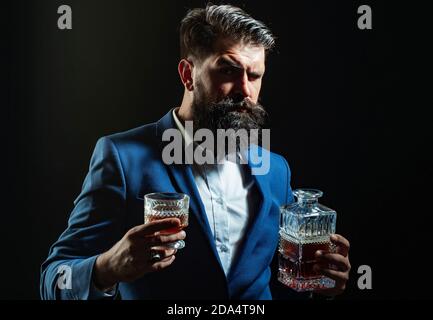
334	265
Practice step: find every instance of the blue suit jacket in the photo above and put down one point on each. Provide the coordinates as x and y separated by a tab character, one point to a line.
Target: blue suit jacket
126	166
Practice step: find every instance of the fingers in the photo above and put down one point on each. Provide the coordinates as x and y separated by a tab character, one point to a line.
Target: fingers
324	266
342	244
160	239
155	226
335	266
338	276
326	259
164	263
164	252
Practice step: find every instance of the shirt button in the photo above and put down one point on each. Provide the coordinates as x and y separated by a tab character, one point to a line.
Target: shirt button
224	248
220	201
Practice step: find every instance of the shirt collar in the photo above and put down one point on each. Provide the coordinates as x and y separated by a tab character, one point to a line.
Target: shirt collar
187	135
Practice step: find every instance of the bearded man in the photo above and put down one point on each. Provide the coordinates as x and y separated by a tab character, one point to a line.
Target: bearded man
232	235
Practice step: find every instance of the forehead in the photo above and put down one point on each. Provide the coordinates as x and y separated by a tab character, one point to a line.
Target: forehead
247	56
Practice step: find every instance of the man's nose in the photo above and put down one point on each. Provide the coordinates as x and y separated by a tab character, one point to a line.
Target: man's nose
242	87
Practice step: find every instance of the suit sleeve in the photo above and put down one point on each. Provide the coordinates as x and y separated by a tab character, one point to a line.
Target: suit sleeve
95	224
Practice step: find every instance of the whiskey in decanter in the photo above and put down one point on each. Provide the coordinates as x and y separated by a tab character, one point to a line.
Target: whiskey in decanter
305	227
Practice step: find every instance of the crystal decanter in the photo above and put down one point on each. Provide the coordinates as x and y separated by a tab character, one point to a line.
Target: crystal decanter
305	227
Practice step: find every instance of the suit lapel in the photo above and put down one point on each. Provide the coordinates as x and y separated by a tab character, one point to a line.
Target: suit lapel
184	179
251	238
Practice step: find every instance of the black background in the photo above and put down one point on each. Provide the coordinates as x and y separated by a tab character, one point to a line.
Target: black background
349	111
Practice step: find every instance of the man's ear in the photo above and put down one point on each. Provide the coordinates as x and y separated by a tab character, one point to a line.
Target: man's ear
185	68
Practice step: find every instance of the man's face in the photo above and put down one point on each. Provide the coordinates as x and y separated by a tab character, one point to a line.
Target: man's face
227	87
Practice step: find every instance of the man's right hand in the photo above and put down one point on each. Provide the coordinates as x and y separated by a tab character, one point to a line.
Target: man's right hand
130	258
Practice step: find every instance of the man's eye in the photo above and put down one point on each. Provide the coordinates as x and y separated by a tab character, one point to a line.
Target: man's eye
227	71
254	76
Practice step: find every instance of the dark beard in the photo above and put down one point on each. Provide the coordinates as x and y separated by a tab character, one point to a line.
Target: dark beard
228	114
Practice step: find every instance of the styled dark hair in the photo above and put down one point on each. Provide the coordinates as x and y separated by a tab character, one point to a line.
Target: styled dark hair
202	26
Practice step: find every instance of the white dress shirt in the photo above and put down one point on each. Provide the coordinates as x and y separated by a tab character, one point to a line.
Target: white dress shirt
229	195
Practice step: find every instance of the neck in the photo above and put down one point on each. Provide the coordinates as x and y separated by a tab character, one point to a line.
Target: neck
185	111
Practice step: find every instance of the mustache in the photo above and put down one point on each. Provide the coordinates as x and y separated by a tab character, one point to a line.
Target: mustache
230	112
235	114
229	104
